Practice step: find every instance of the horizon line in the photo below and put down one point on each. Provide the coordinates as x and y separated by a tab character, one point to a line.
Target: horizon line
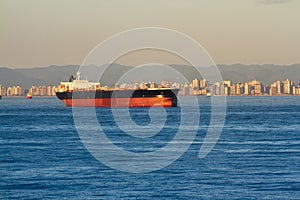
174	64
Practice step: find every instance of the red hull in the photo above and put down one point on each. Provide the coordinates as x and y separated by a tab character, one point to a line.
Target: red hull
120	102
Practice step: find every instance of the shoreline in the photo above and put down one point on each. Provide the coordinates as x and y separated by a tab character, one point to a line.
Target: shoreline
283	95
54	97
24	97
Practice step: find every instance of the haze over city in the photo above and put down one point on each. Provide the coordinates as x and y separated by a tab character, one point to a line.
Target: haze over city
53	32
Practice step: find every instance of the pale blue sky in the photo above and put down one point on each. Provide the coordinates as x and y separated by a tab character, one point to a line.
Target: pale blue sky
45	32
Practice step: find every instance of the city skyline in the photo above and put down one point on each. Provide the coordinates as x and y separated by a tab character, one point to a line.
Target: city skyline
200	87
39	34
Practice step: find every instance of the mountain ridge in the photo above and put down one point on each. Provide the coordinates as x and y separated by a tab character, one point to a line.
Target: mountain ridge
54	74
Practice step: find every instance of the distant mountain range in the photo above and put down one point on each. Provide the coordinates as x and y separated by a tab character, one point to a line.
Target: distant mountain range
53	75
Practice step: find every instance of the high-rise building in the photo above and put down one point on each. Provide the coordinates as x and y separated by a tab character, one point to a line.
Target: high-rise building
53	90
287	86
258	88
195	84
17	91
49	90
232	90
273	89
152	85
226	90
203	83
246	89
143	85
222	89
14	91
9	91
34	91
2	90
185	89
203	91
43	90
227	83
165	84
297	90
217	88
239	88
212	89
266	90
279	87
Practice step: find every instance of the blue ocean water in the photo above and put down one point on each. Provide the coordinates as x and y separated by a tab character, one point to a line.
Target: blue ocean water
256	157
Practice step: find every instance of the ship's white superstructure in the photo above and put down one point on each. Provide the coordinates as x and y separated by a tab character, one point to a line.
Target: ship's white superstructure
78	84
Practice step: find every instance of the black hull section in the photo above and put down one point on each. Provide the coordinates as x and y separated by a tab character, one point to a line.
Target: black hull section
117	94
107	98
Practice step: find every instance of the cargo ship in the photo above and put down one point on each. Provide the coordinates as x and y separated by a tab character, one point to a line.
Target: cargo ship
82	93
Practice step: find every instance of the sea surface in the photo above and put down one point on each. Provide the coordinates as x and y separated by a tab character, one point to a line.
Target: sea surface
256	157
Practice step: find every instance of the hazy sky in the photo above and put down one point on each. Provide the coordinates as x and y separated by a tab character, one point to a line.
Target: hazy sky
60	32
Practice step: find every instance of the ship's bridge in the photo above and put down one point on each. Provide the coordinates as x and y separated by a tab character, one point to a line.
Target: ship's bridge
80	85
